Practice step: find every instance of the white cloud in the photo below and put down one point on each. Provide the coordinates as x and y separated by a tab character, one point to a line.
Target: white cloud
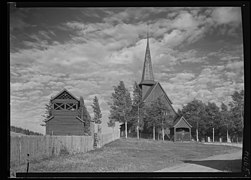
238	65
24	86
182	77
226	15
231	75
184	21
229	57
174	38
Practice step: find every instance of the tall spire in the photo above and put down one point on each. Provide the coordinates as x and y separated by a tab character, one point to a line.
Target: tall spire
147	74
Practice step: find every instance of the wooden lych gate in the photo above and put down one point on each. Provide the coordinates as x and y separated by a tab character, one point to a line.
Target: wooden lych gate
181	130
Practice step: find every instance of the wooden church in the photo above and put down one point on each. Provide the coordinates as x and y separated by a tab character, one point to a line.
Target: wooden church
152	89
65	116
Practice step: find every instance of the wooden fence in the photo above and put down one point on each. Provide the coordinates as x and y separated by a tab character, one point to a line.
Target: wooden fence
106	138
40	147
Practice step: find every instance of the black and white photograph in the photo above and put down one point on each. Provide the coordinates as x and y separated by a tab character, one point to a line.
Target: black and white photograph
126	89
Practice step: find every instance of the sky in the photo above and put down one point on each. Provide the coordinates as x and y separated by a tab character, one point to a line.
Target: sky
196	53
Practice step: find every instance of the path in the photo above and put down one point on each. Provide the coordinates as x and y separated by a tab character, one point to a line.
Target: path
218	163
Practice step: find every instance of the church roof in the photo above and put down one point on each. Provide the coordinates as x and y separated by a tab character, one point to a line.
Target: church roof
151	89
178	119
147	74
67	93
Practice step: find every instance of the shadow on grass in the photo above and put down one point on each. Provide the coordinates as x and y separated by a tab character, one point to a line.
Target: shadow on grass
222	165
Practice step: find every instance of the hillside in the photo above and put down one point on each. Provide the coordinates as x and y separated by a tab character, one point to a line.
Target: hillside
22	131
16	134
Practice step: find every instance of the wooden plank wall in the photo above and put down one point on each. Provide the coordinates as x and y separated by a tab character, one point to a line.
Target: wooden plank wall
40	147
64	125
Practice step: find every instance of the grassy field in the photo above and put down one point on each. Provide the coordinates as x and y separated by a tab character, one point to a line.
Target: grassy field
125	155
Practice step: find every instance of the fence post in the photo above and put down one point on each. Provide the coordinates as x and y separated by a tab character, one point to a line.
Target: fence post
28	162
19	155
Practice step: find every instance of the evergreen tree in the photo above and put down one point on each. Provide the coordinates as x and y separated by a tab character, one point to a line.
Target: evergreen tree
23	131
48	108
121	105
137	118
111	123
97	111
85	116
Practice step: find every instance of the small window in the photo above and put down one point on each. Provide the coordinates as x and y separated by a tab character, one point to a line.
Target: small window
59	106
71	106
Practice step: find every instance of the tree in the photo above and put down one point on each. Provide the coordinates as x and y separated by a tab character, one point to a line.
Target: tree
137	120
167	117
237	113
194	113
23	131
111	123
121	105
85	116
226	122
150	117
158	115
97	111
48	108
212	119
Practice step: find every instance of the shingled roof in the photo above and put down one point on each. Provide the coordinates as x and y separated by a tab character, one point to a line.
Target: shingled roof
61	92
178	119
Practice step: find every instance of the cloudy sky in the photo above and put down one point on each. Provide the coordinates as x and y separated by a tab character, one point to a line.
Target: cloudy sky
196	53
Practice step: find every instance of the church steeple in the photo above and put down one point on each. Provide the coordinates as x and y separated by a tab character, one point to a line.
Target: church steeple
147	75
147	80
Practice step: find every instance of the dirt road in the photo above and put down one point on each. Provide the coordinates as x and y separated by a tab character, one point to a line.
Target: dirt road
218	163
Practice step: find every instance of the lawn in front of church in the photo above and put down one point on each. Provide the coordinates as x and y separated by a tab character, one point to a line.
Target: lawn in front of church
127	155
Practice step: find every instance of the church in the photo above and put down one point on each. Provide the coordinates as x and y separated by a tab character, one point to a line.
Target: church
151	90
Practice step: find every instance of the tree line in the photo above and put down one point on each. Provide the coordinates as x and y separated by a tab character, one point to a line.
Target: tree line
226	120
24	131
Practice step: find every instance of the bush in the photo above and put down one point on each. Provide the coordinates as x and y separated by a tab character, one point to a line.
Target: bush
64	151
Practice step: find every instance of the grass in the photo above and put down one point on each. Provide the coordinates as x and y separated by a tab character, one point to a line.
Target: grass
125	155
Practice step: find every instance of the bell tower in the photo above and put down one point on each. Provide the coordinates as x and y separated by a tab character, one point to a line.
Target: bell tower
147	79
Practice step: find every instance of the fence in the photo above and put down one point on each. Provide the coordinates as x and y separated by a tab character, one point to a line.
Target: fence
106	138
40	147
